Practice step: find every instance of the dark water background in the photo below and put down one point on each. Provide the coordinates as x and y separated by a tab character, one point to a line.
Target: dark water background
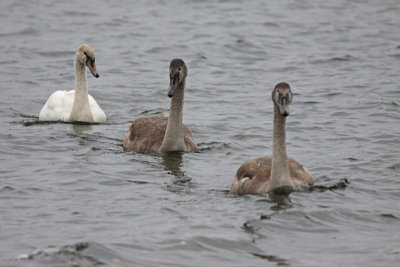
70	195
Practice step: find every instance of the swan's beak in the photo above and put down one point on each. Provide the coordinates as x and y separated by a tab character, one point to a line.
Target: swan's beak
284	110
283	104
92	68
173	84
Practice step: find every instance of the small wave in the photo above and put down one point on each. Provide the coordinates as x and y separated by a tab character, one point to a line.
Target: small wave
10	61
394	104
334	94
345	58
156	49
24	32
389	216
340	114
340	185
53	54
7	188
18	114
79	13
272	258
395	167
310	102
32	123
79	254
334	59
69	253
137	182
221	192
211	146
271	24
153	111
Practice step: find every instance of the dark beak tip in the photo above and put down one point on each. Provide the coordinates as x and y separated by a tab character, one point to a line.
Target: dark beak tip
97	75
285	114
170	95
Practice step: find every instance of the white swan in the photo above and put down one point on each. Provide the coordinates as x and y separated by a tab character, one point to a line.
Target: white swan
160	133
270	173
75	105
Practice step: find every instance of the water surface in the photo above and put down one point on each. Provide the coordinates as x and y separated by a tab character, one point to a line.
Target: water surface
70	195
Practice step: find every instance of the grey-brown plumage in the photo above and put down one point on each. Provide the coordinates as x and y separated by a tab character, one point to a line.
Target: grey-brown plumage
147	134
254	175
160	133
277	171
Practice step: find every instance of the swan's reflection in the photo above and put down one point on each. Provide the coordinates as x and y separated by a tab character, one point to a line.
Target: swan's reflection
172	162
83	139
258	228
281	200
81	127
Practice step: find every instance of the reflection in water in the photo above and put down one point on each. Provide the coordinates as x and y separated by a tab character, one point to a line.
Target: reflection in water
340	185
172	162
281	200
271	258
81	127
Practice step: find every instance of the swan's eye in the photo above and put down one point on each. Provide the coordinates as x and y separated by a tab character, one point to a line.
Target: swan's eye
87	56
180	68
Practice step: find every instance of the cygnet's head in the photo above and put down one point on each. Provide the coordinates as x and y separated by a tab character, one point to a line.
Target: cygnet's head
282	97
177	75
85	55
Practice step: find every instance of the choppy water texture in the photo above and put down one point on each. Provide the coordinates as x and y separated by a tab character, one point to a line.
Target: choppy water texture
70	195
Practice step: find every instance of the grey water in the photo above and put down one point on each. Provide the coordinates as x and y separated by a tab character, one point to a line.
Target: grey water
70	195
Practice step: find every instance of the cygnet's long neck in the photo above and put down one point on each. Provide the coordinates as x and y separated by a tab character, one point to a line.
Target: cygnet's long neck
174	136
280	175
80	108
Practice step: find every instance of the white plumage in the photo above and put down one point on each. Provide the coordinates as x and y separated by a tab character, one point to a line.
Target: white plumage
59	106
75	105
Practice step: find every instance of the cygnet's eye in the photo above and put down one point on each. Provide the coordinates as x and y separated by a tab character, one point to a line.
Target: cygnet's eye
180	68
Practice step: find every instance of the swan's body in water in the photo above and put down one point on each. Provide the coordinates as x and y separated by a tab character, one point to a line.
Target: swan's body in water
277	172
160	133
75	105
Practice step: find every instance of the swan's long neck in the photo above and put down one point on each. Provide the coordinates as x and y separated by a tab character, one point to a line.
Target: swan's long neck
174	137
80	108
280	175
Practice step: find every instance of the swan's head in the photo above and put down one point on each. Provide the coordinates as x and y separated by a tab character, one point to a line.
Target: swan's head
85	55
282	97
177	75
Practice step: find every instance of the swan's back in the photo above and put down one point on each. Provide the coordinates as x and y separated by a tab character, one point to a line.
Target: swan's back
98	114
253	176
59	106
147	134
